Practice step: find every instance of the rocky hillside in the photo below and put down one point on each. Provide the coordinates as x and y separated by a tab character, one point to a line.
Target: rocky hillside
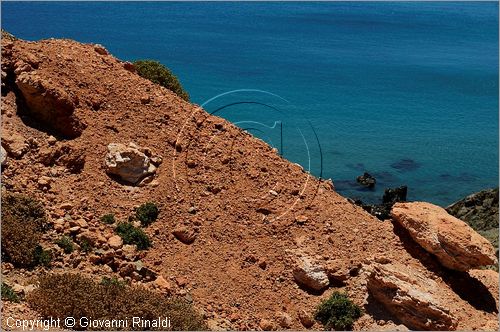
252	240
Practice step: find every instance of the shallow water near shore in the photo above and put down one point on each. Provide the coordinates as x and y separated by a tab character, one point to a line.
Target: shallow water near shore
405	91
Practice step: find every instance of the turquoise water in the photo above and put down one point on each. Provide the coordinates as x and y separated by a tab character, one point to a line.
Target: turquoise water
406	91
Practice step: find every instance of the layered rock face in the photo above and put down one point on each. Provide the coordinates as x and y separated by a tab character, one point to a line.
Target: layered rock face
411	296
50	104
455	244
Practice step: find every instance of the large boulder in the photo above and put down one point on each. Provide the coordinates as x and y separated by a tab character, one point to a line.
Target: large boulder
309	273
128	162
414	299
50	104
456	245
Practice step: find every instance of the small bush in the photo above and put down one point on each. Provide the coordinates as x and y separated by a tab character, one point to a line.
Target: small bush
107	281
85	246
108	218
159	74
23	221
8	293
147	213
73	295
337	312
66	244
42	257
133	235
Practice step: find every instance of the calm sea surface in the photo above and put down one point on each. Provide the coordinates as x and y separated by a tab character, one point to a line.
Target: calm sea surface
405	91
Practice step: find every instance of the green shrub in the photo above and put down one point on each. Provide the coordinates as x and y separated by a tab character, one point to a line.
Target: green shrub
8	293
66	244
23	221
147	213
133	235
159	74
337	312
41	256
108	218
74	295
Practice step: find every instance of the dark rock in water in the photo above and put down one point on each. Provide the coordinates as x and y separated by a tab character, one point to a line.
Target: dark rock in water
392	196
383	211
406	165
366	180
480	211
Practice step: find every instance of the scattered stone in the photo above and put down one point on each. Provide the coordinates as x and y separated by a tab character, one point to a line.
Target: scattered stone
181	281
284	320
115	242
66	206
100	49
51	140
163	284
192	209
301	219
184	234
64	154
266	325
272	192
305	319
413	298
366	180
128	162
145	99
455	244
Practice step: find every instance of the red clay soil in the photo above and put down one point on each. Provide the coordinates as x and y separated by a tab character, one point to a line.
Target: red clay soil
237	271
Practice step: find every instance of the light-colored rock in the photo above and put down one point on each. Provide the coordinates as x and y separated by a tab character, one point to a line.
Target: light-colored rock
128	162
15	144
163	284
115	242
417	301
309	273
456	245
3	156
100	49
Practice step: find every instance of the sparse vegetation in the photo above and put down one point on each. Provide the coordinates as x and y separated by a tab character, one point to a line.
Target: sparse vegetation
338	312
147	213
159	74
8	293
85	246
133	235
23	221
63	295
108	218
107	281
66	244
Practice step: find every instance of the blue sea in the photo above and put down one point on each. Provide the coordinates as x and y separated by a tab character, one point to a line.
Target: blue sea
405	91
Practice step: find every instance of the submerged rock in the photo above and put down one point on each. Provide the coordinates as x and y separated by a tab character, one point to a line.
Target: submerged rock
366	180
414	299
456	245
